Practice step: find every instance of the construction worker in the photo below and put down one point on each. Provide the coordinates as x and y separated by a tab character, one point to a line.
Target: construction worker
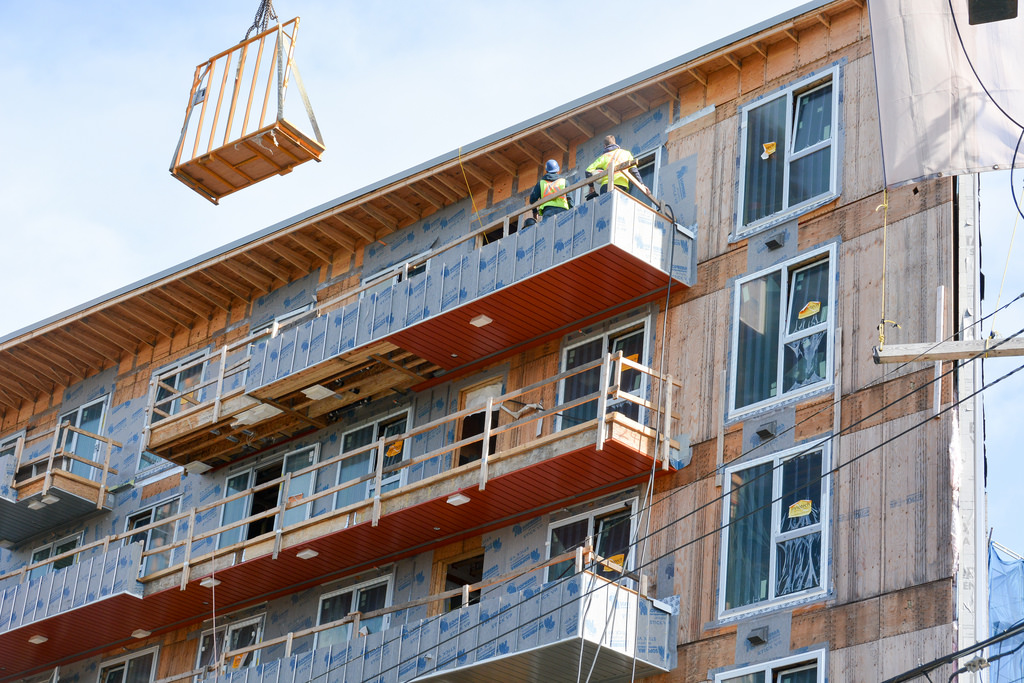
614	155
550	184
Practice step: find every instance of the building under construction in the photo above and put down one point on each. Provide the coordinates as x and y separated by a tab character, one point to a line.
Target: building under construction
416	434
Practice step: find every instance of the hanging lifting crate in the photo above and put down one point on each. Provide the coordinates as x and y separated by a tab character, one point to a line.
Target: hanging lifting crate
231	138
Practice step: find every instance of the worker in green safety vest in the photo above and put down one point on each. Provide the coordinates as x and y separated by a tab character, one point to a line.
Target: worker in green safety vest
550	185
614	155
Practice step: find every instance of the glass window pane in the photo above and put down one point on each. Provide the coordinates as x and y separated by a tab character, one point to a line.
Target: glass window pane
756	677
583	383
140	669
810	176
798	564
370	599
210	648
805	362
813	122
749	544
801	492
763	178
64	547
239	637
802	676
808	297
235	510
334	608
113	674
563	539
358	438
757	355
612	533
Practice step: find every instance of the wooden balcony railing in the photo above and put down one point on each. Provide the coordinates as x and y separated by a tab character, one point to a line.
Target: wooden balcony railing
512	438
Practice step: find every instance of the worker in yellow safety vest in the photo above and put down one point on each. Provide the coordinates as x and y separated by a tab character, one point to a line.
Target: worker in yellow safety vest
550	185
614	155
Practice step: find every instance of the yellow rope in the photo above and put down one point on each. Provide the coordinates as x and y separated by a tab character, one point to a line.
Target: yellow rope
1006	267
885	253
472	200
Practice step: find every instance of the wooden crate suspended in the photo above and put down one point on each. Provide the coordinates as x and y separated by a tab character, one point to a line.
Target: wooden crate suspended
235	133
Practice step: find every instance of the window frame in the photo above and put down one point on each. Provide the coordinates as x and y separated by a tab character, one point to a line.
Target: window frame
143	569
653	186
227	629
105	667
827	253
177	365
775	534
776	667
620	330
792	92
79	538
360	586
401	478
629	504
72	441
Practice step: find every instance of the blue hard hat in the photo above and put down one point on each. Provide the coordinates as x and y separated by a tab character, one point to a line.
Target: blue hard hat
551	166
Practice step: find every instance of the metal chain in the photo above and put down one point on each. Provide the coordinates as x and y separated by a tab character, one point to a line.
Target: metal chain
264	15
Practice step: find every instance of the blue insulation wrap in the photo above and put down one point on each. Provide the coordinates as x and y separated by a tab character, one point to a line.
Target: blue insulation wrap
1005	609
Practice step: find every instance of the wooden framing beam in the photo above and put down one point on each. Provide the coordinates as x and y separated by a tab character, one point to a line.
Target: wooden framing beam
231	284
396	366
639	100
57	359
336	233
207	292
502	162
355	225
427	196
478	173
42	369
556	139
451	185
610	114
82	355
291	256
581	126
310	245
824	19
13	370
158	325
186	300
442	189
698	76
115	326
792	35
382	217
96	342
733	62
9	401
295	413
161	303
275	269
403	206
760	49
530	151
246	273
671	92
949	350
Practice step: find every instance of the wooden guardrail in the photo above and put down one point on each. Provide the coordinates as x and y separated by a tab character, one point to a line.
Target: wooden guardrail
663	405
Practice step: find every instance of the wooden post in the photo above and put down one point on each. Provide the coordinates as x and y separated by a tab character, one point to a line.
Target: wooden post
103	477
940	306
220	383
485	446
602	400
58	438
377	482
837	397
185	567
465	594
279	517
666	432
288	645
150	407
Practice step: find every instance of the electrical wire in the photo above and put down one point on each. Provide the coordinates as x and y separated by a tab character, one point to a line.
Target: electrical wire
831	472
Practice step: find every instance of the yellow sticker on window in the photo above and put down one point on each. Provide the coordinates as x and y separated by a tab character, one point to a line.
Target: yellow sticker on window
769	149
394	449
801	508
812	308
635	357
237	661
617	559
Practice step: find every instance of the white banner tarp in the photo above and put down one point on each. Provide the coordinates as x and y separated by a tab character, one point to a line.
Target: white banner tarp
934	114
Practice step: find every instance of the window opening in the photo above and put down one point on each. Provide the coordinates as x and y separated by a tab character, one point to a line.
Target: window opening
394	453
135	668
473	424
228	638
463	573
610	528
647	164
631	342
498	232
52	550
157	537
89	418
788	156
268	498
796	669
180	382
776	517
783	333
363	598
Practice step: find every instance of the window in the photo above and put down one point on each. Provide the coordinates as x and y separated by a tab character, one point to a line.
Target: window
782	331
365	597
473	424
9	445
157	537
647	165
229	638
464	572
52	550
172	392
268	497
631	341
392	275
805	668
138	667
611	527
395	452
788	158
88	418
776	523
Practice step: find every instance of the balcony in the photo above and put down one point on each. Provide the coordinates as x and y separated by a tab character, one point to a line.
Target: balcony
51	479
399	498
455	308
532	635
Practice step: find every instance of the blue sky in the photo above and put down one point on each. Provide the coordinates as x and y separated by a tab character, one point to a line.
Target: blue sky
95	94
